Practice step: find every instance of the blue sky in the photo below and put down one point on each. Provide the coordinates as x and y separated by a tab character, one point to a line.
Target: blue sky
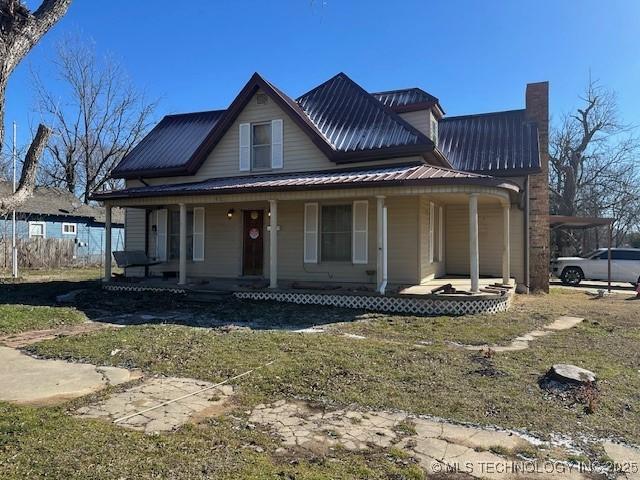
474	55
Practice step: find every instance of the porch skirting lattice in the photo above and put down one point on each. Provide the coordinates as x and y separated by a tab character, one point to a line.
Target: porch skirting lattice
394	304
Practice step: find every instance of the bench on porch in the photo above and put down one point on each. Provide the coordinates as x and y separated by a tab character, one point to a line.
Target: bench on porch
134	258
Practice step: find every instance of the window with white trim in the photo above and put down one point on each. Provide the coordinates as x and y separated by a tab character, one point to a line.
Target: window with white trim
261	146
37	230
336	224
174	234
69	228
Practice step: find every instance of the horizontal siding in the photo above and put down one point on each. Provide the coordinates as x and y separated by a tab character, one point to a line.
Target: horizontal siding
429	270
134	239
490	229
223	244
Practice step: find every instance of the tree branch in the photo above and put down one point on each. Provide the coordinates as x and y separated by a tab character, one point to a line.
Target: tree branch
29	169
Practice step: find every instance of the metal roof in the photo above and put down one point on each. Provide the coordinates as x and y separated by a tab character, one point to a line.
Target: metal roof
499	143
406	99
399	175
352	120
171	143
58	202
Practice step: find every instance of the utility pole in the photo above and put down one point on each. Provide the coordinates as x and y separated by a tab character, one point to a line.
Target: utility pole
14	249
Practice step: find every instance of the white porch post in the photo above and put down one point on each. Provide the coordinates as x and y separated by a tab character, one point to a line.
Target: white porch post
182	270
474	265
273	245
381	227
107	243
506	245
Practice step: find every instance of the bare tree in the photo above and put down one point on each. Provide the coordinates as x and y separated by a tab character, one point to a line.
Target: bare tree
98	120
593	165
20	31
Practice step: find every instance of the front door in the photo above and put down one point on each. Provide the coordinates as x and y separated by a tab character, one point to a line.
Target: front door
253	243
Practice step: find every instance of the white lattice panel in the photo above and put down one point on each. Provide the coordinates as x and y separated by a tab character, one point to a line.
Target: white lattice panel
142	288
396	304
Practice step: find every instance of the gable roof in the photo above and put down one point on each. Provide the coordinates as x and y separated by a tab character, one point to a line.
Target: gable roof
170	145
352	120
367	130
383	176
407	100
497	143
57	202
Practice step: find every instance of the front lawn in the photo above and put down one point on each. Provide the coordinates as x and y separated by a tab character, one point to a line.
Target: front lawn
21	318
403	362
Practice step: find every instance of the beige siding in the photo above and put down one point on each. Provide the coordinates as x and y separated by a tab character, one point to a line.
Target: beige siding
223	244
430	270
134	238
402	233
421	120
489	238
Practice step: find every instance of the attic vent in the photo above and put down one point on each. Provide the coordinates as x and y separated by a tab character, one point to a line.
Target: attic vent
262	99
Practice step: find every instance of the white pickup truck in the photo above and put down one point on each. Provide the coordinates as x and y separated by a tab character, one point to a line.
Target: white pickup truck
625	266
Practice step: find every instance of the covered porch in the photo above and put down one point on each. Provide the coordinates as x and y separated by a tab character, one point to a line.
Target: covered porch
412	240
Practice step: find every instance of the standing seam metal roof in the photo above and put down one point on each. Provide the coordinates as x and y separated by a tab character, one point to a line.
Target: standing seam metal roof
406	97
352	120
494	143
420	174
171	143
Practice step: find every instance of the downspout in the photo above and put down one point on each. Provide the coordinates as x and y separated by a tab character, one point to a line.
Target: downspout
383	285
526	235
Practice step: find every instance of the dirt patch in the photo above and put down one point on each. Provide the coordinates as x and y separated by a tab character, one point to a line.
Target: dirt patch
20	340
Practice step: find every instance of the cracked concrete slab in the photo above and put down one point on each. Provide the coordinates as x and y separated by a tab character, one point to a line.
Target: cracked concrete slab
156	391
29	380
522	342
438	447
626	458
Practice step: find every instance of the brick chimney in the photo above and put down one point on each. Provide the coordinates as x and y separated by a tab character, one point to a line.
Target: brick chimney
537	110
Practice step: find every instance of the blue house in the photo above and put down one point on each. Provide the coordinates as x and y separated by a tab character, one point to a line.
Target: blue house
57	215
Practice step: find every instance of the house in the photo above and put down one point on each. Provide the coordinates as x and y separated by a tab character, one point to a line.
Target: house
54	213
376	189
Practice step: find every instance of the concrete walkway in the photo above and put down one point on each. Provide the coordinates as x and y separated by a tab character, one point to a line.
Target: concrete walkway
28	380
522	342
439	447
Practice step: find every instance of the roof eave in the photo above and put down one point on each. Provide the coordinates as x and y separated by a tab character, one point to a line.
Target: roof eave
480	181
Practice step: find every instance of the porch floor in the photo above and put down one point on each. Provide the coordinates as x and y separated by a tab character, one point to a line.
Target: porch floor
458	282
228	285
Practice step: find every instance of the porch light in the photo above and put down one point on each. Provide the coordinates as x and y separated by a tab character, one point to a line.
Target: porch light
230	213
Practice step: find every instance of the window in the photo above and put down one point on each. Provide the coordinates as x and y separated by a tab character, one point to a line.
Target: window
69	228
37	230
261	146
174	234
335	232
625	254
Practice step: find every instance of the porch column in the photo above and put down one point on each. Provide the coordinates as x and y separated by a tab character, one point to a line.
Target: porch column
273	244
506	245
381	226
182	269
107	243
474	265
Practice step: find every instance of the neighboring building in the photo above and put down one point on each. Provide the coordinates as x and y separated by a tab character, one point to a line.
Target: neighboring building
371	188
53	213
